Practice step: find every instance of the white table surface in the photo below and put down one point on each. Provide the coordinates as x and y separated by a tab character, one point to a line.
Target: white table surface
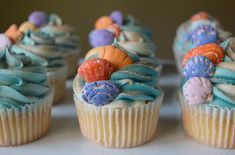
64	136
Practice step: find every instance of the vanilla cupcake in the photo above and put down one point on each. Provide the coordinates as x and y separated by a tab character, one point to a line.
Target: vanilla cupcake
43	51
207	95
126	33
26	99
117	98
66	40
200	29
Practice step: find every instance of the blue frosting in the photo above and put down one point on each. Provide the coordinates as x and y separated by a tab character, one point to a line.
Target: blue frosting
99	93
199	66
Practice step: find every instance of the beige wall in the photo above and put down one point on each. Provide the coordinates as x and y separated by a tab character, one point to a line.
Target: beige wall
161	16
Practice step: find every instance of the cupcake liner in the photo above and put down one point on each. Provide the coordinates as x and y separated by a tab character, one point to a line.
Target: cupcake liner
209	125
57	79
118	127
72	59
23	126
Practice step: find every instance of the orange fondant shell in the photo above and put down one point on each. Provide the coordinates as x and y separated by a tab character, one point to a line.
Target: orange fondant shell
103	22
199	16
115	29
27	26
212	51
13	33
96	69
112	54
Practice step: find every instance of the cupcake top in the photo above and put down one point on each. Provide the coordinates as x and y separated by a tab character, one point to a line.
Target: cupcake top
209	75
111	76
52	26
41	49
22	82
126	33
200	29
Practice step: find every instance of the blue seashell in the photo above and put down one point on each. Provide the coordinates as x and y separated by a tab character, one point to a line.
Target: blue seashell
101	37
100	93
204	34
199	66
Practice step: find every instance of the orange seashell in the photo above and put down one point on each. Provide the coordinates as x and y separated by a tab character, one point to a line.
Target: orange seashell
112	54
103	22
212	51
200	15
27	26
96	69
13	33
115	29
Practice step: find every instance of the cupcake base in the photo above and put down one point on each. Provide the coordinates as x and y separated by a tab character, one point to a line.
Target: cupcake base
23	126
57	79
209	125
118	127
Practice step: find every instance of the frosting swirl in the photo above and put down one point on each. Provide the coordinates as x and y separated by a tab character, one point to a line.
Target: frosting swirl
21	82
41	49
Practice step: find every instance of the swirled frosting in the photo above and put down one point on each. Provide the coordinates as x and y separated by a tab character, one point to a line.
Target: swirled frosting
41	49
131	24
21	81
64	35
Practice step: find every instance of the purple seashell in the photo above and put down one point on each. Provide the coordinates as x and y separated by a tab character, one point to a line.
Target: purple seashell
101	37
4	41
199	66
204	34
38	18
197	90
117	17
100	93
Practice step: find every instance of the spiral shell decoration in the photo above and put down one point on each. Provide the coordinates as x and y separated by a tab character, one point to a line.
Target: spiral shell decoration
103	22
110	53
212	51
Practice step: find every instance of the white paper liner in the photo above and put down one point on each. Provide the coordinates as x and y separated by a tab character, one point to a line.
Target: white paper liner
209	125
57	79
118	127
72	59
23	126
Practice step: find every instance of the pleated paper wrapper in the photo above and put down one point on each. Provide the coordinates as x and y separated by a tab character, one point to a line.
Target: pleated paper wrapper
57	78
118	127
23	126
209	125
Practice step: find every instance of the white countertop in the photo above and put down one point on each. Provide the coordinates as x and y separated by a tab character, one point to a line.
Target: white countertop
64	136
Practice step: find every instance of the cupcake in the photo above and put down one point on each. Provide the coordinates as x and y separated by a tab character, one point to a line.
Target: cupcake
126	33
65	39
117	98
26	99
200	29
207	94
43	51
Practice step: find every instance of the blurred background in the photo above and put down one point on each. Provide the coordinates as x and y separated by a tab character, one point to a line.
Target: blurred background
162	17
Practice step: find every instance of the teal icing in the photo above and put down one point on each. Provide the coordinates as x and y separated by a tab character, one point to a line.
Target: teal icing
21	82
64	35
136	82
223	75
131	24
40	48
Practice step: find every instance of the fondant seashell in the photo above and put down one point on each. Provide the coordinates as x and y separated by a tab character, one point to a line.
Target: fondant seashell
103	22
100	93
96	69
199	66
13	33
212	51
197	90
115	55
26	26
115	29
200	15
